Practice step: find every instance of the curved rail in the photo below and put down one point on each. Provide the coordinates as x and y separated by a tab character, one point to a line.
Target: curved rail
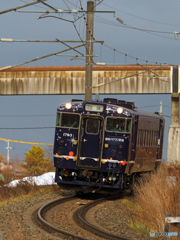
45	208
81	215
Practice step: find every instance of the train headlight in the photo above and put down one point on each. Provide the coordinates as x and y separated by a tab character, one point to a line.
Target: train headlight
120	110
68	106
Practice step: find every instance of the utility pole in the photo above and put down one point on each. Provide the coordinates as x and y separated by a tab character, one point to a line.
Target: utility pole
89	50
160	110
8	147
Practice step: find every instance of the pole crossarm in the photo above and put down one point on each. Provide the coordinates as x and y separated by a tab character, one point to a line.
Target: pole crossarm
38	58
49	41
63	11
19	7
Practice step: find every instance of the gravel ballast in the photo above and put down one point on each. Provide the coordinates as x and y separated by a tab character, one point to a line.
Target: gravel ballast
111	215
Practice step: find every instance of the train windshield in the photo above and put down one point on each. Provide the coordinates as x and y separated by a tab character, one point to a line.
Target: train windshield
118	125
92	126
67	120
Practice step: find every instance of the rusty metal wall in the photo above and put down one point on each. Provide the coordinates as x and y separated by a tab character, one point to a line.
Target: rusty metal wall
71	80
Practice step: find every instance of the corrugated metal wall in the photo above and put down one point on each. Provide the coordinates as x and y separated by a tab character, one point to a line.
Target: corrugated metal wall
71	80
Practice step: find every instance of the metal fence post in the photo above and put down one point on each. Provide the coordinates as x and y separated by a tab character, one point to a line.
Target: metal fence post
167	225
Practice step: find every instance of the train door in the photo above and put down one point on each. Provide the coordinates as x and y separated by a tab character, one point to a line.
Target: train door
134	137
90	144
160	140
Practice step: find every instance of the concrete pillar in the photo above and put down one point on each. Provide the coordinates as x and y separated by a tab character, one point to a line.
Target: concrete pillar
173	155
174	108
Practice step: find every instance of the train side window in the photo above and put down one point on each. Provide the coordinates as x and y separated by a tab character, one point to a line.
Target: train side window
141	141
69	120
153	138
146	138
144	143
150	138
117	125
137	141
140	136
157	136
57	119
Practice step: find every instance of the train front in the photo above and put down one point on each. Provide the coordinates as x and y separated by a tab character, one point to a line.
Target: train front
91	146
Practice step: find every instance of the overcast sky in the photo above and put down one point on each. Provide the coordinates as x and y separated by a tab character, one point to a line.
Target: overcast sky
148	37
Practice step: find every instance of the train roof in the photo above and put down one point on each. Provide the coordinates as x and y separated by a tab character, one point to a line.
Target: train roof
129	106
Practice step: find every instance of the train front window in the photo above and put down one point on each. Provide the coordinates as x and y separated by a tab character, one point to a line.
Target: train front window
92	126
128	125
118	125
69	120
57	119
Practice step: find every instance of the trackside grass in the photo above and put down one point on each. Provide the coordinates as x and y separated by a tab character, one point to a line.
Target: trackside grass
155	195
23	191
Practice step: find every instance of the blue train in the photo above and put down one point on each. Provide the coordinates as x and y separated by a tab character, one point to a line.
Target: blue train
105	145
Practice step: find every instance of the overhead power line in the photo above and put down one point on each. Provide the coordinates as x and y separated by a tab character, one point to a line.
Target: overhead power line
119	79
32	143
149	20
137	59
106	21
50	115
38	58
148	106
18	128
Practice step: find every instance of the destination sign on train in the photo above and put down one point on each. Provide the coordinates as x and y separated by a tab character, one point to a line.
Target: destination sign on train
94	108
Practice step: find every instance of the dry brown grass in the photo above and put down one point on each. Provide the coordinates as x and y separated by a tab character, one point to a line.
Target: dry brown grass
23	190
158	194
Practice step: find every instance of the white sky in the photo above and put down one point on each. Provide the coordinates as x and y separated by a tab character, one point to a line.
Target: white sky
158	45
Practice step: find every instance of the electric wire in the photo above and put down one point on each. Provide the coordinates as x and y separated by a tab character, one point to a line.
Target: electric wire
19	128
149	20
152	32
107	21
166	106
167	116
47	115
127	55
148	106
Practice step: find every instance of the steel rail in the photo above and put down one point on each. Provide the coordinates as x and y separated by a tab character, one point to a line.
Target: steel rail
81	214
45	208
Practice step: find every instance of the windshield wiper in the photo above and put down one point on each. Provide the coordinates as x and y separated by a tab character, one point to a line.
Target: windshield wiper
72	125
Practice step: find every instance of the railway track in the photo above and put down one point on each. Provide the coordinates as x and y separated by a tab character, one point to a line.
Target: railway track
81	217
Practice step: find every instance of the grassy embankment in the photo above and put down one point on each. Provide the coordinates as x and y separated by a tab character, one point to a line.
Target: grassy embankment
155	195
23	191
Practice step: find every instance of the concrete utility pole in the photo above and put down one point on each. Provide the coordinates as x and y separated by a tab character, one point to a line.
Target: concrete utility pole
160	110
8	147
89	50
